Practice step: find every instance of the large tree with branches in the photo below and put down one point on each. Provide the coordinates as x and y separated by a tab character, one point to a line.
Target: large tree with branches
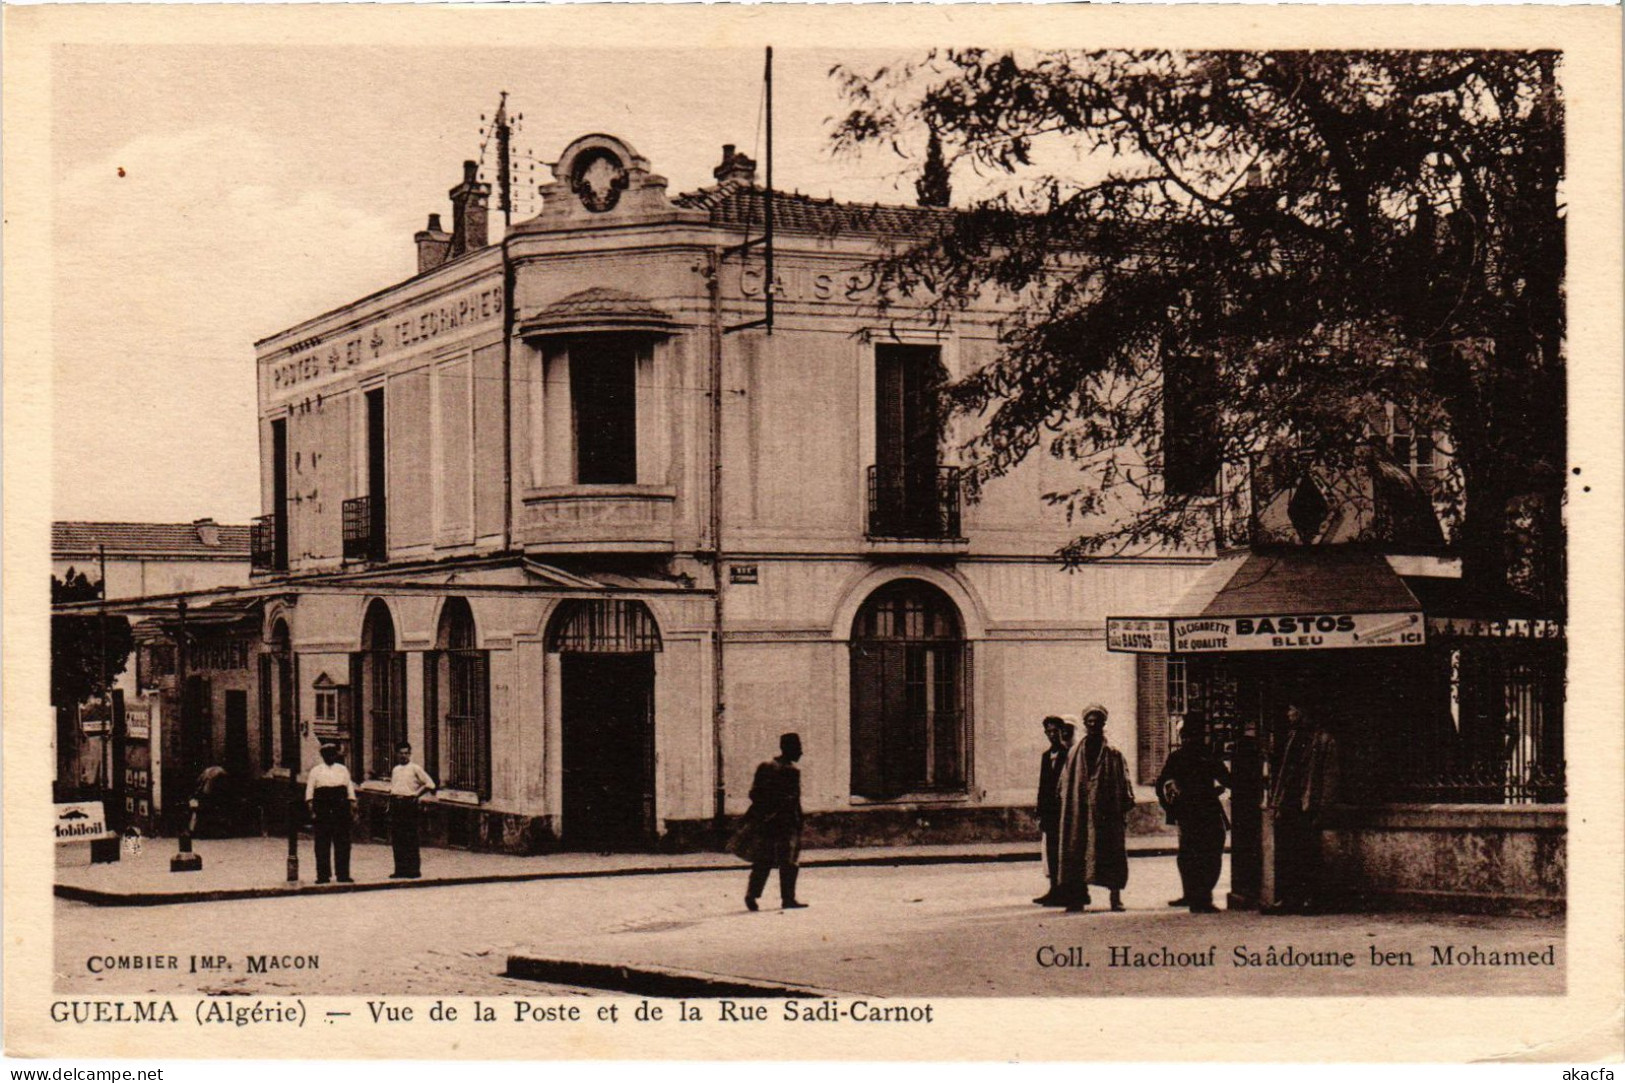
1325	231
87	652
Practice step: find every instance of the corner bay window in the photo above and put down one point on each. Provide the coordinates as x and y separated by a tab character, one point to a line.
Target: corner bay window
911	670
456	696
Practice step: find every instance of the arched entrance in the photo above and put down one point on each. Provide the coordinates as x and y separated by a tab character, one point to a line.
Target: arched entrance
606	652
910	693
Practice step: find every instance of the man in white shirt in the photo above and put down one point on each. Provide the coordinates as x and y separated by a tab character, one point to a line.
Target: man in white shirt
407	784
330	795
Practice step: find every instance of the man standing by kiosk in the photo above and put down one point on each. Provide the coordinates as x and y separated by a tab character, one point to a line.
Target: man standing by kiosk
1305	783
1188	788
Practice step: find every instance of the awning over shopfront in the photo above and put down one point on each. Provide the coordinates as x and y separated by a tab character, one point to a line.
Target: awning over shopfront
495	576
1273	600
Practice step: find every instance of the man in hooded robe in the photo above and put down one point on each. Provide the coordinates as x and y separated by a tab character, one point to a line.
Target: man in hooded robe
1096	799
1304	784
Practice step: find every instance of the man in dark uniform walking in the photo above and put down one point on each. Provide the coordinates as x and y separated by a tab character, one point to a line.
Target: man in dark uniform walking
1188	788
1060	733
769	837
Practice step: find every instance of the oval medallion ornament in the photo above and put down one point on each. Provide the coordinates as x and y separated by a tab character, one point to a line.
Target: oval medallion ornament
598	178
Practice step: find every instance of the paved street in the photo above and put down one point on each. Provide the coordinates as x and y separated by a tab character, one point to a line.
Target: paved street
929	930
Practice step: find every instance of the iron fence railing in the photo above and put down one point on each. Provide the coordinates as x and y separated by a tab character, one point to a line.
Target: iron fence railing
1488	783
1503	742
914	502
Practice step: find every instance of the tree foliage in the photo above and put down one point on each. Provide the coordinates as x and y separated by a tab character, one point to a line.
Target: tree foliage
79	645
1332	231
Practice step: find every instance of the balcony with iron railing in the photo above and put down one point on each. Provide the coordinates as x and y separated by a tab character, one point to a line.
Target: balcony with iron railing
364	529
908	503
264	552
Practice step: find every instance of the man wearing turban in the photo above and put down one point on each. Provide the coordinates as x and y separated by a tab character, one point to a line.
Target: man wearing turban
1096	799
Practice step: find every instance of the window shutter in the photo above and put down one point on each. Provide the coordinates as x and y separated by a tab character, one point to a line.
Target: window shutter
967	718
868	681
901	747
431	714
889	415
397	697
1151	714
267	725
481	674
356	731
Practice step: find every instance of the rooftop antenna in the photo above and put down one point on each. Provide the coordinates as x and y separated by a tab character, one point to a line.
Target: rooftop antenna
504	161
503	128
766	239
767	213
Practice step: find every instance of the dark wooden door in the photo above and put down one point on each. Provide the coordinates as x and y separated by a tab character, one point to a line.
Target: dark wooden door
608	755
237	733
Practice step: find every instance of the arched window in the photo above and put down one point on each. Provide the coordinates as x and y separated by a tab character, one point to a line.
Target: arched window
378	676
457	694
603	627
911	670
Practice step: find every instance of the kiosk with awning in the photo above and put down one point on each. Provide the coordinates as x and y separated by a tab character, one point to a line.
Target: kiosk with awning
1332	629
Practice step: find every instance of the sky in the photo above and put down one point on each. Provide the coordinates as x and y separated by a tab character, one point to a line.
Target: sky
206	197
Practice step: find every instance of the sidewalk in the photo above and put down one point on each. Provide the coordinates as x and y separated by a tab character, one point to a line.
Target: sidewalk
253	868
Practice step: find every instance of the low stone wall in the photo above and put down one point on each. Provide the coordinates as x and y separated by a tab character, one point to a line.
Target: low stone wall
463	827
1462	858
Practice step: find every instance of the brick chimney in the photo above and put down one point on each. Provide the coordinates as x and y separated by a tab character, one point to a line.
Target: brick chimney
208	531
434	245
735	168
470	212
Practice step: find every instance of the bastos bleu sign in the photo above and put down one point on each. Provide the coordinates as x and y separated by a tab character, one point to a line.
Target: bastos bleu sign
1264	632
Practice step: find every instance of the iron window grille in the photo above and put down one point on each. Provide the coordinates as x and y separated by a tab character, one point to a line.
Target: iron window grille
364	528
